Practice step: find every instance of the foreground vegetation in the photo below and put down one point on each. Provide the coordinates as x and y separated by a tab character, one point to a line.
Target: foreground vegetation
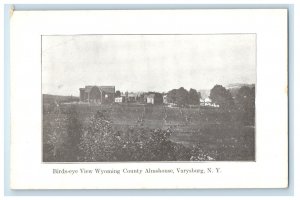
129	132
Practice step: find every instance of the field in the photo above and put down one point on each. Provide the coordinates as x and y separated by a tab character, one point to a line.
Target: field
212	133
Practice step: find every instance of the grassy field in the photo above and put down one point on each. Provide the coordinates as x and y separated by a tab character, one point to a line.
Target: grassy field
213	130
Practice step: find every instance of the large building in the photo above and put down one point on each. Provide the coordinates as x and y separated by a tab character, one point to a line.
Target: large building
97	94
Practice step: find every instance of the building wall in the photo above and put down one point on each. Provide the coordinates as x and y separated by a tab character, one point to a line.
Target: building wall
150	100
86	96
82	94
165	99
119	99
108	97
95	95
98	94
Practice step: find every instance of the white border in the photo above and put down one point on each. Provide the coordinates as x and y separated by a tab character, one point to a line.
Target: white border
270	168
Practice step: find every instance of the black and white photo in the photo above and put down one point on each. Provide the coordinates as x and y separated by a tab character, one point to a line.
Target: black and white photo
148	97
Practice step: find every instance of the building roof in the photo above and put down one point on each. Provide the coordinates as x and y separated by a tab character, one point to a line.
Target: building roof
107	89
150	95
88	88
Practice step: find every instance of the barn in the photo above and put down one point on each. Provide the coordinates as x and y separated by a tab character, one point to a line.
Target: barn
97	94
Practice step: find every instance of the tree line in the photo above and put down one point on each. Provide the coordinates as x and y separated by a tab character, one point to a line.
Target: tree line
218	94
182	97
243	101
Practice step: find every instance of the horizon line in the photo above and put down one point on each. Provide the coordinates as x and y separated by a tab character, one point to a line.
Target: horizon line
198	90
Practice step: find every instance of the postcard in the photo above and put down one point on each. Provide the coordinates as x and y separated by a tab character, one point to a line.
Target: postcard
149	99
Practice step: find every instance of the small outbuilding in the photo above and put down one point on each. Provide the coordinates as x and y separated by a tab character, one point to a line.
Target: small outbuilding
119	99
207	101
154	98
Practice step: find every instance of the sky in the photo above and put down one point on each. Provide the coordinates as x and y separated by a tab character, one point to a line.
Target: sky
142	63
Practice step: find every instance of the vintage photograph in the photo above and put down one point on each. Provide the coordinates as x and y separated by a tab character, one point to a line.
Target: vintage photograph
139	97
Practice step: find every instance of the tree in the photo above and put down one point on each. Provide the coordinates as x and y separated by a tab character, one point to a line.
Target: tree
220	96
171	96
99	142
158	98
140	97
245	99
182	97
193	97
199	95
118	93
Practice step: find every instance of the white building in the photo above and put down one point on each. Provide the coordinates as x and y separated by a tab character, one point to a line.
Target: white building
150	98
119	99
207	102
165	99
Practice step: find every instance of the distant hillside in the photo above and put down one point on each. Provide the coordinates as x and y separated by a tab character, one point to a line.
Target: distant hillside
49	98
238	85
